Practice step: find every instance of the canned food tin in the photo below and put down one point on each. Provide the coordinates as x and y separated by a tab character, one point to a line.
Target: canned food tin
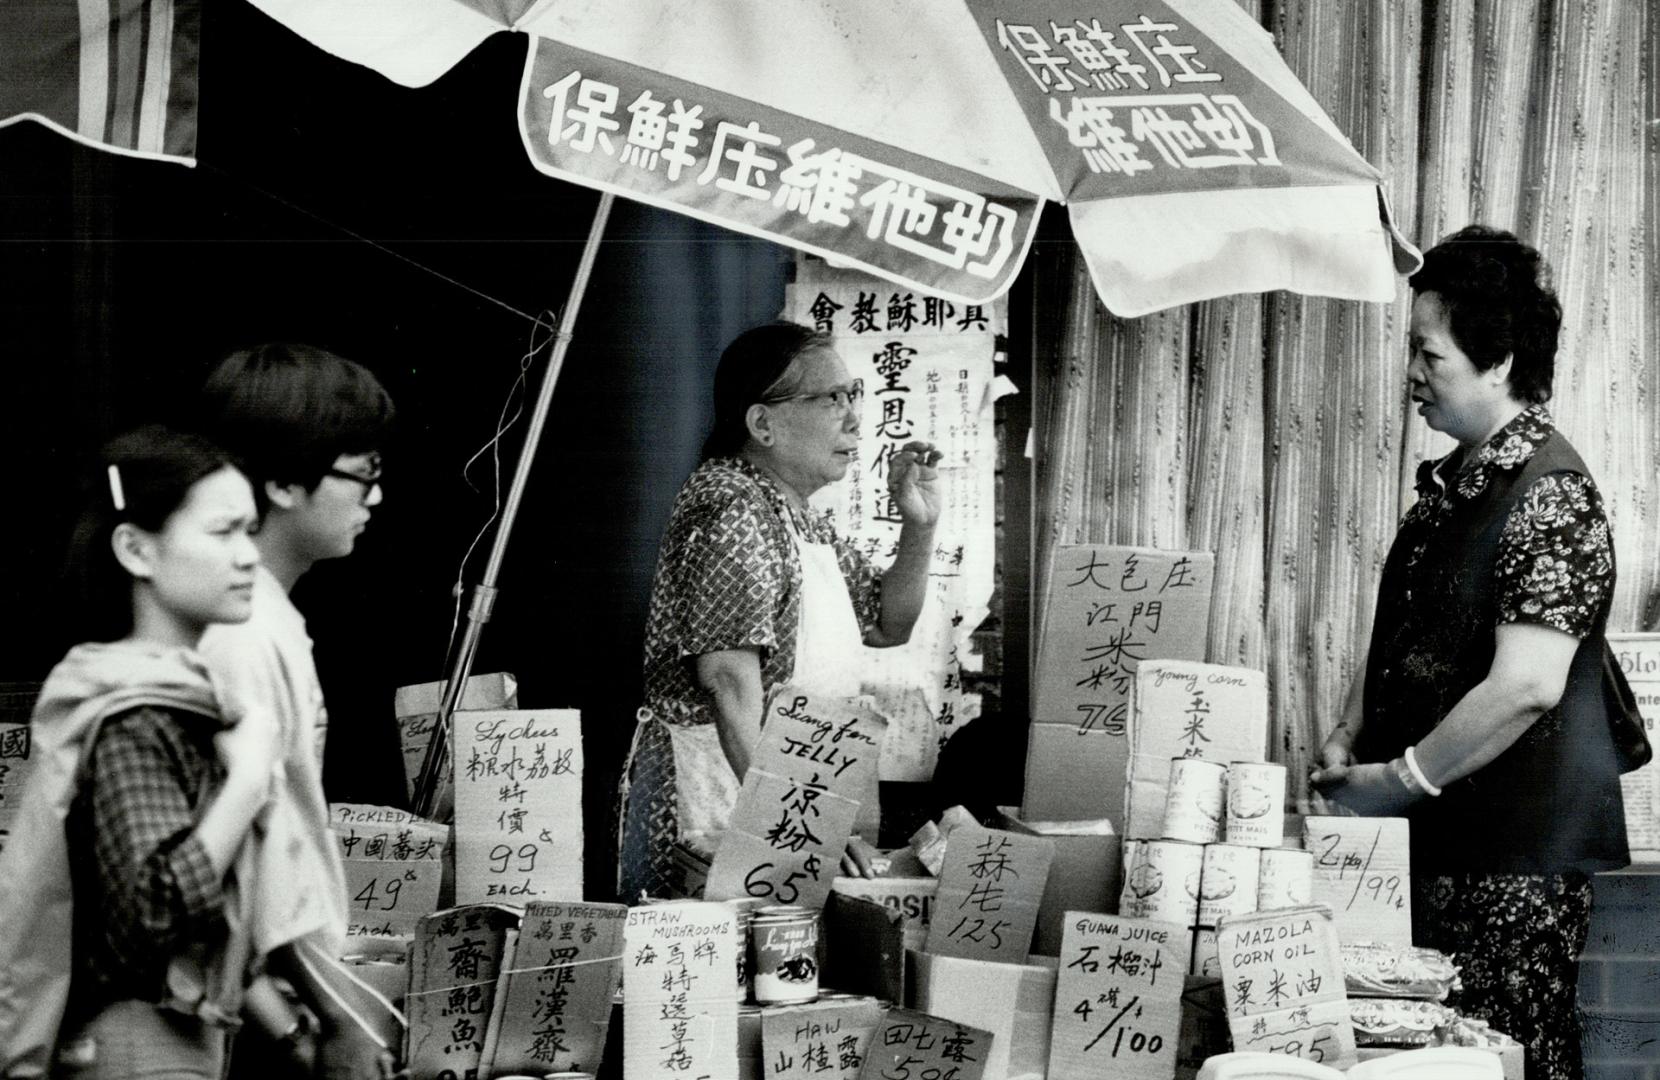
1128	855
1256	803
1207	960
784	944
1164	883
1229	884
1193	801
743	908
1286	880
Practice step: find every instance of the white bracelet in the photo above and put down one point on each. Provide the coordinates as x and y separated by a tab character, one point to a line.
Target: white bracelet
1418	774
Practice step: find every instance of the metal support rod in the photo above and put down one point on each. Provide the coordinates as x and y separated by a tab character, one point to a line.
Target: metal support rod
428	783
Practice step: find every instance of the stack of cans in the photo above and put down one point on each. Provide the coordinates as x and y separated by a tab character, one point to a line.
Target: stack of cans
1219	854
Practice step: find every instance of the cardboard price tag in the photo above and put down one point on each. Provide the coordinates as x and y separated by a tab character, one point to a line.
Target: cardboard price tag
826	1040
1362	872
1108	610
453	966
1188	709
14	769
1282	978
556	1007
914	1044
1118	999
416	709
800	800
394	864
518	806
680	991
989	892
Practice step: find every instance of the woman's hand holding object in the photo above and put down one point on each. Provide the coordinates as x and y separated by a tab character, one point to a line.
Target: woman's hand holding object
1373	790
913	482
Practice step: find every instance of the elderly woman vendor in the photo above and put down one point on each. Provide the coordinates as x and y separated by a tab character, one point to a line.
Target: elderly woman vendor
754	589
1484	717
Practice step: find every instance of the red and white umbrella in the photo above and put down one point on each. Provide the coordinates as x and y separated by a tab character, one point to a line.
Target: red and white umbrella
919	139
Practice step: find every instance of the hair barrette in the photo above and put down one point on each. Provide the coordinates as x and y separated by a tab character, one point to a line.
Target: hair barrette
117	496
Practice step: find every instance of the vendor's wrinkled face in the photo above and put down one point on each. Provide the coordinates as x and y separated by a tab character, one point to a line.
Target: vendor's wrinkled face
1452	394
813	423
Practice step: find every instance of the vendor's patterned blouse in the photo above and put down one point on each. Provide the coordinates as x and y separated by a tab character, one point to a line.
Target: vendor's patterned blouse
729	576
1555	563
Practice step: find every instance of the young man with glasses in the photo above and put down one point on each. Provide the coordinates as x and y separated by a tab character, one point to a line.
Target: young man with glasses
307	428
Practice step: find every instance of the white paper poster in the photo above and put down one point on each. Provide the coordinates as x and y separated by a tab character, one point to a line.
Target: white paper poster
927	369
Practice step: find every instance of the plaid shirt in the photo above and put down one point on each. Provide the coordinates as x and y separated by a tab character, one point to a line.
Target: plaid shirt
144	888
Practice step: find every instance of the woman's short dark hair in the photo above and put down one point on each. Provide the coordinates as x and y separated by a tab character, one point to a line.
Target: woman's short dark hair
157	466
286	412
1499	303
749	370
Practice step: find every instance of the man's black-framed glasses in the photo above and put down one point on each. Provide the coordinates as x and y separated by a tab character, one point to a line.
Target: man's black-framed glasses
369	481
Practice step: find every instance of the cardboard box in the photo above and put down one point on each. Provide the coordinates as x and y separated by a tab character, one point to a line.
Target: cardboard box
1086	873
912	897
1015	1002
1204	1025
863	948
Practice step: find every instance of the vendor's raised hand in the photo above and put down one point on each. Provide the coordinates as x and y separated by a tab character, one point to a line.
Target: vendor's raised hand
856	860
1372	790
913	482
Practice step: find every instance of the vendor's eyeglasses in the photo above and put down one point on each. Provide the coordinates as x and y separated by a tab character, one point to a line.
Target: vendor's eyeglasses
370	481
838	398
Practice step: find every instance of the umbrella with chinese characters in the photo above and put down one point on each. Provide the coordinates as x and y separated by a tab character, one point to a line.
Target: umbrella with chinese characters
919	139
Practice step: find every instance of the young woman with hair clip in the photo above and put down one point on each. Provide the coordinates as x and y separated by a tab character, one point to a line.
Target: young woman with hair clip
122	914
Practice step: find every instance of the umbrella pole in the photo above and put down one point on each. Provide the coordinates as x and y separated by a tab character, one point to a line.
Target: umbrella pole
483	596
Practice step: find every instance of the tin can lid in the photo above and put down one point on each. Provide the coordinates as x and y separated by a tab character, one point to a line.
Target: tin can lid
785	911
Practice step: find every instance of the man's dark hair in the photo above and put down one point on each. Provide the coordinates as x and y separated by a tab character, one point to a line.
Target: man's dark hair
286	412
1499	303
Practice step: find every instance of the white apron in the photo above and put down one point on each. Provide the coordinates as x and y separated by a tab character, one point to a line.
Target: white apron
829	661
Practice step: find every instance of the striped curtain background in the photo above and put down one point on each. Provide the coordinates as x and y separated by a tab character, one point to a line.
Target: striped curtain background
117	74
1274	430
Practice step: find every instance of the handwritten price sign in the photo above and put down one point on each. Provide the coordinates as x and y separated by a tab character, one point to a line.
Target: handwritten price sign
1118	998
1361	872
394	866
1282	979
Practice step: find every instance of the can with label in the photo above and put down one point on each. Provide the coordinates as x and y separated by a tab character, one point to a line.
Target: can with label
1164	882
1128	854
744	909
1256	803
1286	878
1229	884
784	951
1193	801
1207	961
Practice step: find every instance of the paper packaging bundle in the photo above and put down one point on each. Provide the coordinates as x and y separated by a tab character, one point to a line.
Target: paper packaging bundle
1183	708
416	709
1084	876
1107	609
1362	871
1014	1002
